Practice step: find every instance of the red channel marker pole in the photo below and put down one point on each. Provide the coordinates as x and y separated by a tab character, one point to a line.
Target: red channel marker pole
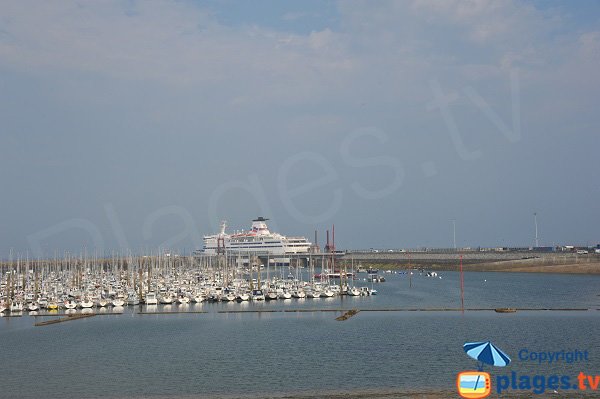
462	287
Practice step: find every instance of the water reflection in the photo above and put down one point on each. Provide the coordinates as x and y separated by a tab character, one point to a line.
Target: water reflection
151	308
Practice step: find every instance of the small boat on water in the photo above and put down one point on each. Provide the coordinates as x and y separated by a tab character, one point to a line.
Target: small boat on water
166	299
16	307
366	291
133	299
86	303
505	310
70	304
285	295
151	299
271	295
214	295
257	295
228	297
243	297
43	302
118	302
183	299
102	302
199	297
375	278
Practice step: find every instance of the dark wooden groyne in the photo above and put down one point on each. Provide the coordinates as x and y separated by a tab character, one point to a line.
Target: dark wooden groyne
69	317
347	315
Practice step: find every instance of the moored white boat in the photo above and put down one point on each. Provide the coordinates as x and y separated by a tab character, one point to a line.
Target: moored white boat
285	295
70	304
165	299
151	299
366	291
102	302
299	294
133	299
243	296
229	297
214	295
43	302
258	295
271	295
199	297
118	302
86	303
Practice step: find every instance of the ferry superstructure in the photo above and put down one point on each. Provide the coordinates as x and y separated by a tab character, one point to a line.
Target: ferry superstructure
258	240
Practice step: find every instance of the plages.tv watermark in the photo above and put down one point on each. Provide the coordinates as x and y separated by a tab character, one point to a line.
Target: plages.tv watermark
475	384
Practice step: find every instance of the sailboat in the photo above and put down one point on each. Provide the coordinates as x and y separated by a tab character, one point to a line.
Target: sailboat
133	298
243	296
199	297
257	295
52	304
102	302
70	304
86	303
16	306
298	293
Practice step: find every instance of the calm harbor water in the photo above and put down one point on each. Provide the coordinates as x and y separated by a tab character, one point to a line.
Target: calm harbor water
309	353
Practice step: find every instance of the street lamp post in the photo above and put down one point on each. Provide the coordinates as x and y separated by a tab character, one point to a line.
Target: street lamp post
454	232
537	241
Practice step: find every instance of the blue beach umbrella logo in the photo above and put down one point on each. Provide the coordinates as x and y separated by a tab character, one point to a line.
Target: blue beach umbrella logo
486	353
477	384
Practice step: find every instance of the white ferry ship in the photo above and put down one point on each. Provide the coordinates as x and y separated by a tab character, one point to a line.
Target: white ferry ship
258	240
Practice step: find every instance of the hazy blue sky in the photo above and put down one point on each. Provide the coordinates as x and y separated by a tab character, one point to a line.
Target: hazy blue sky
129	124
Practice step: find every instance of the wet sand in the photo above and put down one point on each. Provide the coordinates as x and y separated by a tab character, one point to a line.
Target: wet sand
529	266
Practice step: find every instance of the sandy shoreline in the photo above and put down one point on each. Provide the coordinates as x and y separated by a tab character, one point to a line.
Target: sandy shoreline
578	268
515	266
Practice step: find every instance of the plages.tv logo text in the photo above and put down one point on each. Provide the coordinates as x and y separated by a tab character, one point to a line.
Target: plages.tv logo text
478	384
